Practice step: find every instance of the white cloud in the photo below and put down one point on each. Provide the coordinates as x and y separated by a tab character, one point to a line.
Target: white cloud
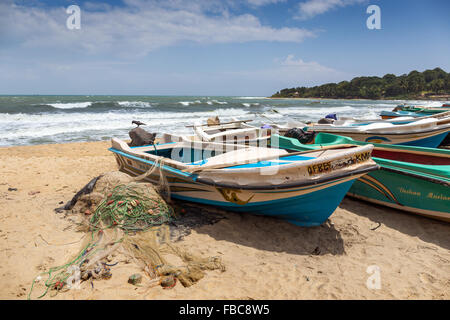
263	2
139	28
311	8
300	64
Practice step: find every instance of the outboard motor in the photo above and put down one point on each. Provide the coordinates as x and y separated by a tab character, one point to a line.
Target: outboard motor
140	137
300	135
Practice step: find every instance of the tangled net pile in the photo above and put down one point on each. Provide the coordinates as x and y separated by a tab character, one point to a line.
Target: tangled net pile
126	207
131	219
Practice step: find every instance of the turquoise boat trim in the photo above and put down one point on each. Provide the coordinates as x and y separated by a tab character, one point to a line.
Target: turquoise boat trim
151	145
170	169
259	164
297	158
198	163
158	177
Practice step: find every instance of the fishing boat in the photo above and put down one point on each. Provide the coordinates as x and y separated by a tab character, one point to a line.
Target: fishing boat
428	132
412	179
412	114
413	111
303	188
399	114
396	120
425	110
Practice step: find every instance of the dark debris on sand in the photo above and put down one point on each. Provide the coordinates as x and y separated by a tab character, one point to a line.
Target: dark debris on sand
194	216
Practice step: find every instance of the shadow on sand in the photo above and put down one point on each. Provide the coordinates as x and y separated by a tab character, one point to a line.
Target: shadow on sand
265	233
426	229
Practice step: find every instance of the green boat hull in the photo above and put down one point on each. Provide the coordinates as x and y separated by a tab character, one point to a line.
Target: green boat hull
413	186
426	111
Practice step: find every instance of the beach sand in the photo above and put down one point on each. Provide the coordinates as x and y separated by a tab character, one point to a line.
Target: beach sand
265	258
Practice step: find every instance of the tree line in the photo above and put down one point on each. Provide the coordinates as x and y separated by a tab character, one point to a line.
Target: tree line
414	85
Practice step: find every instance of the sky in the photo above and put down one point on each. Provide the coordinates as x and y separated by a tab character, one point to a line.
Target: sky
213	47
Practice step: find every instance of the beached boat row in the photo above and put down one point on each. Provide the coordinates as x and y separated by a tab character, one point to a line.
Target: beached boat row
241	167
413	111
413	179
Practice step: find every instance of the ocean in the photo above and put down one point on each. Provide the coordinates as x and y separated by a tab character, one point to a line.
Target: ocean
29	120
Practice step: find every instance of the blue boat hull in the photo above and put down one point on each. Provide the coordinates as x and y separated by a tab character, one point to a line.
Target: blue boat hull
306	210
395	114
430	142
431	139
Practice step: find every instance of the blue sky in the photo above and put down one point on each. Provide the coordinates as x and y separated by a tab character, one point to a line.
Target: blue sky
212	47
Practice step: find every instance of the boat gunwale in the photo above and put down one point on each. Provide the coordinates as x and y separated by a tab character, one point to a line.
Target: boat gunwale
408	172
376	146
437	130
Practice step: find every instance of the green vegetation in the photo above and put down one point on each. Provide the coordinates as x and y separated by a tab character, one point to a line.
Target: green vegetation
415	85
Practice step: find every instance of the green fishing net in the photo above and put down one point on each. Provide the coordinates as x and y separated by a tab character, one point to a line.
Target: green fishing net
131	217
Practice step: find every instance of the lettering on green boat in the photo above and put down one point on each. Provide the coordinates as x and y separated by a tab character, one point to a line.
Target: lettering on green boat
438	196
410	192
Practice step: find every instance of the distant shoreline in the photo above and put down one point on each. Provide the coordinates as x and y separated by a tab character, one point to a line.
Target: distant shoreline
440	98
427	85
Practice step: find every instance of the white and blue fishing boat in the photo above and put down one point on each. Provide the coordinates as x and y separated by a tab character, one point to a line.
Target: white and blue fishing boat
413	111
398	120
429	132
397	114
303	188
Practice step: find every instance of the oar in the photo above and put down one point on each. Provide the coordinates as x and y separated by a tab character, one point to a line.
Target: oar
237	121
244	161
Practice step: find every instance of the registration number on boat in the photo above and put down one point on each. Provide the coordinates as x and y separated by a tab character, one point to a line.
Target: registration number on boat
336	165
319	168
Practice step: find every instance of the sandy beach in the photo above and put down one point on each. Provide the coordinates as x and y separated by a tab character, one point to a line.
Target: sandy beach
265	258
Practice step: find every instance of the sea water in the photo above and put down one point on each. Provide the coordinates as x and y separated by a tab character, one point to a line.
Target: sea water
28	120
